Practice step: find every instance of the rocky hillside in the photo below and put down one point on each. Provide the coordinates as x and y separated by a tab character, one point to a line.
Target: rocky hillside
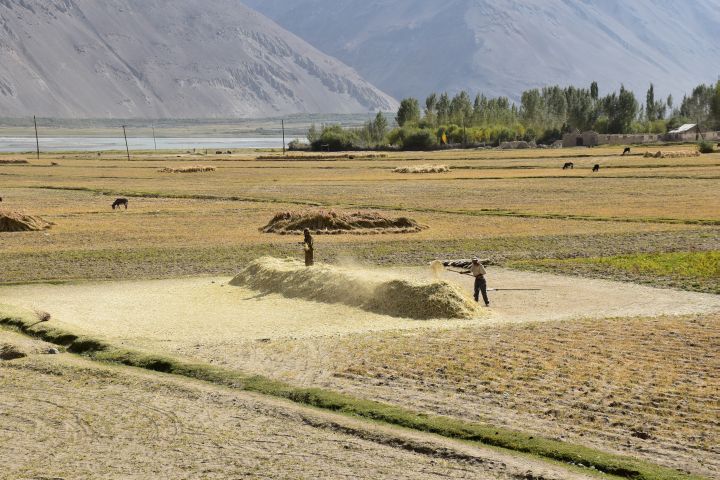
412	47
165	59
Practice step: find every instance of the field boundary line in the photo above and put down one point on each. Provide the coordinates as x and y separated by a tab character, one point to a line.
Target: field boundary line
493	212
554	450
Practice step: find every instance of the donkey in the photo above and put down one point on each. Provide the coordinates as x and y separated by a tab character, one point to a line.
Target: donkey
120	202
569	165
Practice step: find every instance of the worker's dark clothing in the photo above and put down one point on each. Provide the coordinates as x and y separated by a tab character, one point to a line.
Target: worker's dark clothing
309	250
481	287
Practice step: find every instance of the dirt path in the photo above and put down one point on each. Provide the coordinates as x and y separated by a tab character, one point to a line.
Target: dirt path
65	417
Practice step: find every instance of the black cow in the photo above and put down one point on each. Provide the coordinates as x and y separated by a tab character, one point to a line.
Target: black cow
596	168
120	202
569	165
626	151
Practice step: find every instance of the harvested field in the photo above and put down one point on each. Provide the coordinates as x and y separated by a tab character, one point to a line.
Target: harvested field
192	169
19	222
372	290
97	421
422	169
330	222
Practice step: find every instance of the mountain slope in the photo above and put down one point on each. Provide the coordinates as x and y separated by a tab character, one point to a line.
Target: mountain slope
165	59
413	47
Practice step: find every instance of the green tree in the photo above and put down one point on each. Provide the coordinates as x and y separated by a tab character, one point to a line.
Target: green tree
532	107
461	109
313	135
443	109
715	105
409	112
650	112
594	91
379	128
431	108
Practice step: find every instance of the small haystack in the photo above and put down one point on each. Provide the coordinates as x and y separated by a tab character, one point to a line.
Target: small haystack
13	162
374	291
18	222
681	154
422	169
192	169
330	222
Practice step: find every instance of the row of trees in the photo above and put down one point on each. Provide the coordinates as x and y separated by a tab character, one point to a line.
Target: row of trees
543	116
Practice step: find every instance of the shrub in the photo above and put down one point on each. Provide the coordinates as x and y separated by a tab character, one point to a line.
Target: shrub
336	138
418	140
705	147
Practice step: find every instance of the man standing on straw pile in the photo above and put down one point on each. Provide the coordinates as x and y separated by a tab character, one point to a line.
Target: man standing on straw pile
309	248
478	271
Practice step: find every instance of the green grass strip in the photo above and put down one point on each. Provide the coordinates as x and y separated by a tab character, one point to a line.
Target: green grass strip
617	465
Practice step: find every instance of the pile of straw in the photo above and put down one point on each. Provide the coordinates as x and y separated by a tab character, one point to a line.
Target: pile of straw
18	222
330	222
423	169
369	290
192	169
660	154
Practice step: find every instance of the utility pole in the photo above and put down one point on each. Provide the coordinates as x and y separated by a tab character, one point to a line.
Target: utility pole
154	141
127	148
37	141
283	131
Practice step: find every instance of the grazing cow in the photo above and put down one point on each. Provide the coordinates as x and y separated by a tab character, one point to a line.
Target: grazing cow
120	202
626	151
569	165
229	152
596	168
218	152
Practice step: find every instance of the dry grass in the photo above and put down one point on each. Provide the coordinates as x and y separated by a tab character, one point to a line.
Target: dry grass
192	169
644	387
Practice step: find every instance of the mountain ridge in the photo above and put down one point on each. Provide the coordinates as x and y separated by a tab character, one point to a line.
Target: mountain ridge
503	48
162	59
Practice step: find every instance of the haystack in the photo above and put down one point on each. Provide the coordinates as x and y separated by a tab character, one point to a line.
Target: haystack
681	154
18	222
192	169
373	291
332	222
423	169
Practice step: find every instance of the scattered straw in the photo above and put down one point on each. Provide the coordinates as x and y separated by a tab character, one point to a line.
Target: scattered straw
13	162
374	291
193	169
423	169
18	222
327	158
332	222
682	154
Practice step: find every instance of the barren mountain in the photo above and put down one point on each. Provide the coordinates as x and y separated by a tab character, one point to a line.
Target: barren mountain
413	47
165	59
